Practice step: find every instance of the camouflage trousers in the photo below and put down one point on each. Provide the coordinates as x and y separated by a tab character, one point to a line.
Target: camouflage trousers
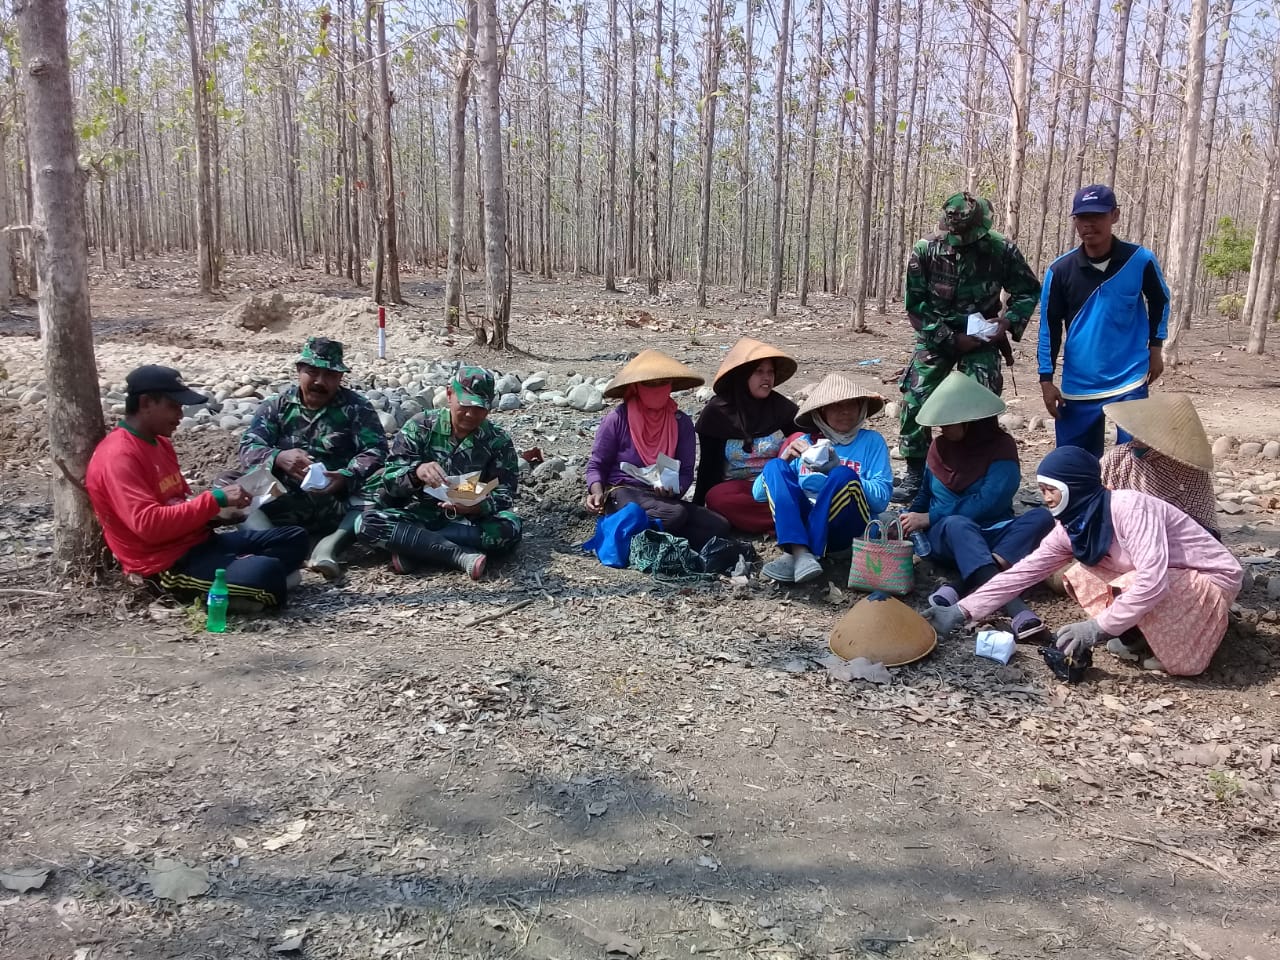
497	533
924	372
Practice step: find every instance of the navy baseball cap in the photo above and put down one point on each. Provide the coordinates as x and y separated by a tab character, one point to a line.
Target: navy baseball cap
1095	198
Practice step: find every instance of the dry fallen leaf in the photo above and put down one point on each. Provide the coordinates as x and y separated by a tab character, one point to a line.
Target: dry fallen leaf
291	942
174	880
292	835
596	808
23	879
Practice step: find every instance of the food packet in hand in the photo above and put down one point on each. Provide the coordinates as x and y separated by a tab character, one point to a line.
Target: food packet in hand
820	456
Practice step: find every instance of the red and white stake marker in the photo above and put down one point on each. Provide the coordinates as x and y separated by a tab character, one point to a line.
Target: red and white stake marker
382	333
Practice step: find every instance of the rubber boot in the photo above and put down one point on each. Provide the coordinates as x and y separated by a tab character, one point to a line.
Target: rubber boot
906	489
324	556
412	543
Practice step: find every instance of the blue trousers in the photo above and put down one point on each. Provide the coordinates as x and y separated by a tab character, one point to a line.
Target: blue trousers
257	564
963	544
830	523
1081	423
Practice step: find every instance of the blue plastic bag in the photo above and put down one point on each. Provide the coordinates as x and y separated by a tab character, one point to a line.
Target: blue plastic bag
612	540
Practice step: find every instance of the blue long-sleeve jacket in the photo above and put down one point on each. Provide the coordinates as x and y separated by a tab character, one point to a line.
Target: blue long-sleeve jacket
867	454
987	502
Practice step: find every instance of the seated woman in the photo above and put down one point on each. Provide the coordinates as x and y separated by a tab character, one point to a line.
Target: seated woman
1168	456
742	428
829	481
1148	575
646	424
966	500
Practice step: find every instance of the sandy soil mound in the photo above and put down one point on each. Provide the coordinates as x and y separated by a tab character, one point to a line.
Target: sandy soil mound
281	312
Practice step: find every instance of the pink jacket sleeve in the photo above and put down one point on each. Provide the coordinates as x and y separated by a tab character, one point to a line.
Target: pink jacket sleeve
1053	553
1141	534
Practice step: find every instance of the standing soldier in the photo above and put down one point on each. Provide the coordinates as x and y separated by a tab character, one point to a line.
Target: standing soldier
959	272
317	422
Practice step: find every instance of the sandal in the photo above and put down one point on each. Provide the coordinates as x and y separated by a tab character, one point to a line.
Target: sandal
944	596
1026	625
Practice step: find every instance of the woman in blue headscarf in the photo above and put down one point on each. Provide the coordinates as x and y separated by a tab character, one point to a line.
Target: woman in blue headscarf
1155	584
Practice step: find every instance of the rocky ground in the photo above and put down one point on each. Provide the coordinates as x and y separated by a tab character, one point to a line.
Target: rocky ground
571	761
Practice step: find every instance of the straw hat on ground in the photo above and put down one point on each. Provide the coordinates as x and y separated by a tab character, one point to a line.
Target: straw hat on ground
650	365
748	351
1168	424
835	388
883	630
959	399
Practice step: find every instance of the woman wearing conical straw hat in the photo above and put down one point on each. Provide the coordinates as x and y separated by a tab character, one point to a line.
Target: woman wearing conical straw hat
743	427
965	503
1142	565
1169	456
829	481
647	424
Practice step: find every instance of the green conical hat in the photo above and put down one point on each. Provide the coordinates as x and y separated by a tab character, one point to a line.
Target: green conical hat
959	399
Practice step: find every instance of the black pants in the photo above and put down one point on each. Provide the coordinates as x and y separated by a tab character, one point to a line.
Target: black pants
679	517
257	562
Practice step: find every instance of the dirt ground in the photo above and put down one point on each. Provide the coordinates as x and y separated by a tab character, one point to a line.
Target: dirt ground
569	761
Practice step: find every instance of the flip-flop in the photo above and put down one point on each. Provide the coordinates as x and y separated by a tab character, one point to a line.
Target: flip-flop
944	596
1026	625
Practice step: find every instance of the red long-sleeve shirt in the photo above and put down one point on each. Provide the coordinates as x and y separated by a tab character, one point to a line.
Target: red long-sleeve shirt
143	502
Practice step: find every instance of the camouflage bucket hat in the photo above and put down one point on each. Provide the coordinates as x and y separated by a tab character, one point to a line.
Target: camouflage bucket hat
323	353
473	386
966	219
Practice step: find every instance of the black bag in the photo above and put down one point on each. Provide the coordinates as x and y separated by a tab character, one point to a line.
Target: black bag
720	555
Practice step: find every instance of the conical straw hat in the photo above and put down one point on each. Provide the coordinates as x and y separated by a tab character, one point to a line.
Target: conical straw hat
747	351
834	388
959	399
883	630
649	365
1168	424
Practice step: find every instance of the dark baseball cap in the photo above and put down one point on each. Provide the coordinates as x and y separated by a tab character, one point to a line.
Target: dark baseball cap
1095	198
154	378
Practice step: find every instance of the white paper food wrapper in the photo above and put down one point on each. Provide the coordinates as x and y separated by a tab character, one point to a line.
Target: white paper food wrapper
315	478
981	327
447	494
663	475
995	645
260	484
820	455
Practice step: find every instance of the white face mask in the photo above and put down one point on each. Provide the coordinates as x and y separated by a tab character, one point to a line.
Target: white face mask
1061	487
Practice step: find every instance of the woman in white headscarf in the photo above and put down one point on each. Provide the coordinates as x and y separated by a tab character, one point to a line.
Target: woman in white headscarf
830	480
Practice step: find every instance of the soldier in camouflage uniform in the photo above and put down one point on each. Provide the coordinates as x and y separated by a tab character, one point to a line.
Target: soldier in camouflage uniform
317	421
415	527
960	271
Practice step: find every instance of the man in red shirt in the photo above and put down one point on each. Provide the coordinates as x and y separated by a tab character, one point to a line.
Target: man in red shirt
157	528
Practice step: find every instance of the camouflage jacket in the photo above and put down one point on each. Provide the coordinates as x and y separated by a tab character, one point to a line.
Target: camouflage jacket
345	434
427	438
946	283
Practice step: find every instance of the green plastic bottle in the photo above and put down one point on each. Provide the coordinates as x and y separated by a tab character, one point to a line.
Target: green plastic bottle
216	621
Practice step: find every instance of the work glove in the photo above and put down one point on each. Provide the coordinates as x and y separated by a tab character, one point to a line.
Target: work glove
946	620
1075	638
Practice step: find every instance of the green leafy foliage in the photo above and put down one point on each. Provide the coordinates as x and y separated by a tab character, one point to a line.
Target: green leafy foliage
1229	251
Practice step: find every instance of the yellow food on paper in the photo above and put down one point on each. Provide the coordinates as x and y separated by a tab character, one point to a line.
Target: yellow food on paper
466	486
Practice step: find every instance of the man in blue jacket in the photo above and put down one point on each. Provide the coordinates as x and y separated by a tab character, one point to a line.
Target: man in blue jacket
1105	307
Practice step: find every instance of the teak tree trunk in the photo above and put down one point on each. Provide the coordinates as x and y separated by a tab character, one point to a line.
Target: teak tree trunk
710	98
207	255
497	268
779	156
458	173
391	243
58	231
866	257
